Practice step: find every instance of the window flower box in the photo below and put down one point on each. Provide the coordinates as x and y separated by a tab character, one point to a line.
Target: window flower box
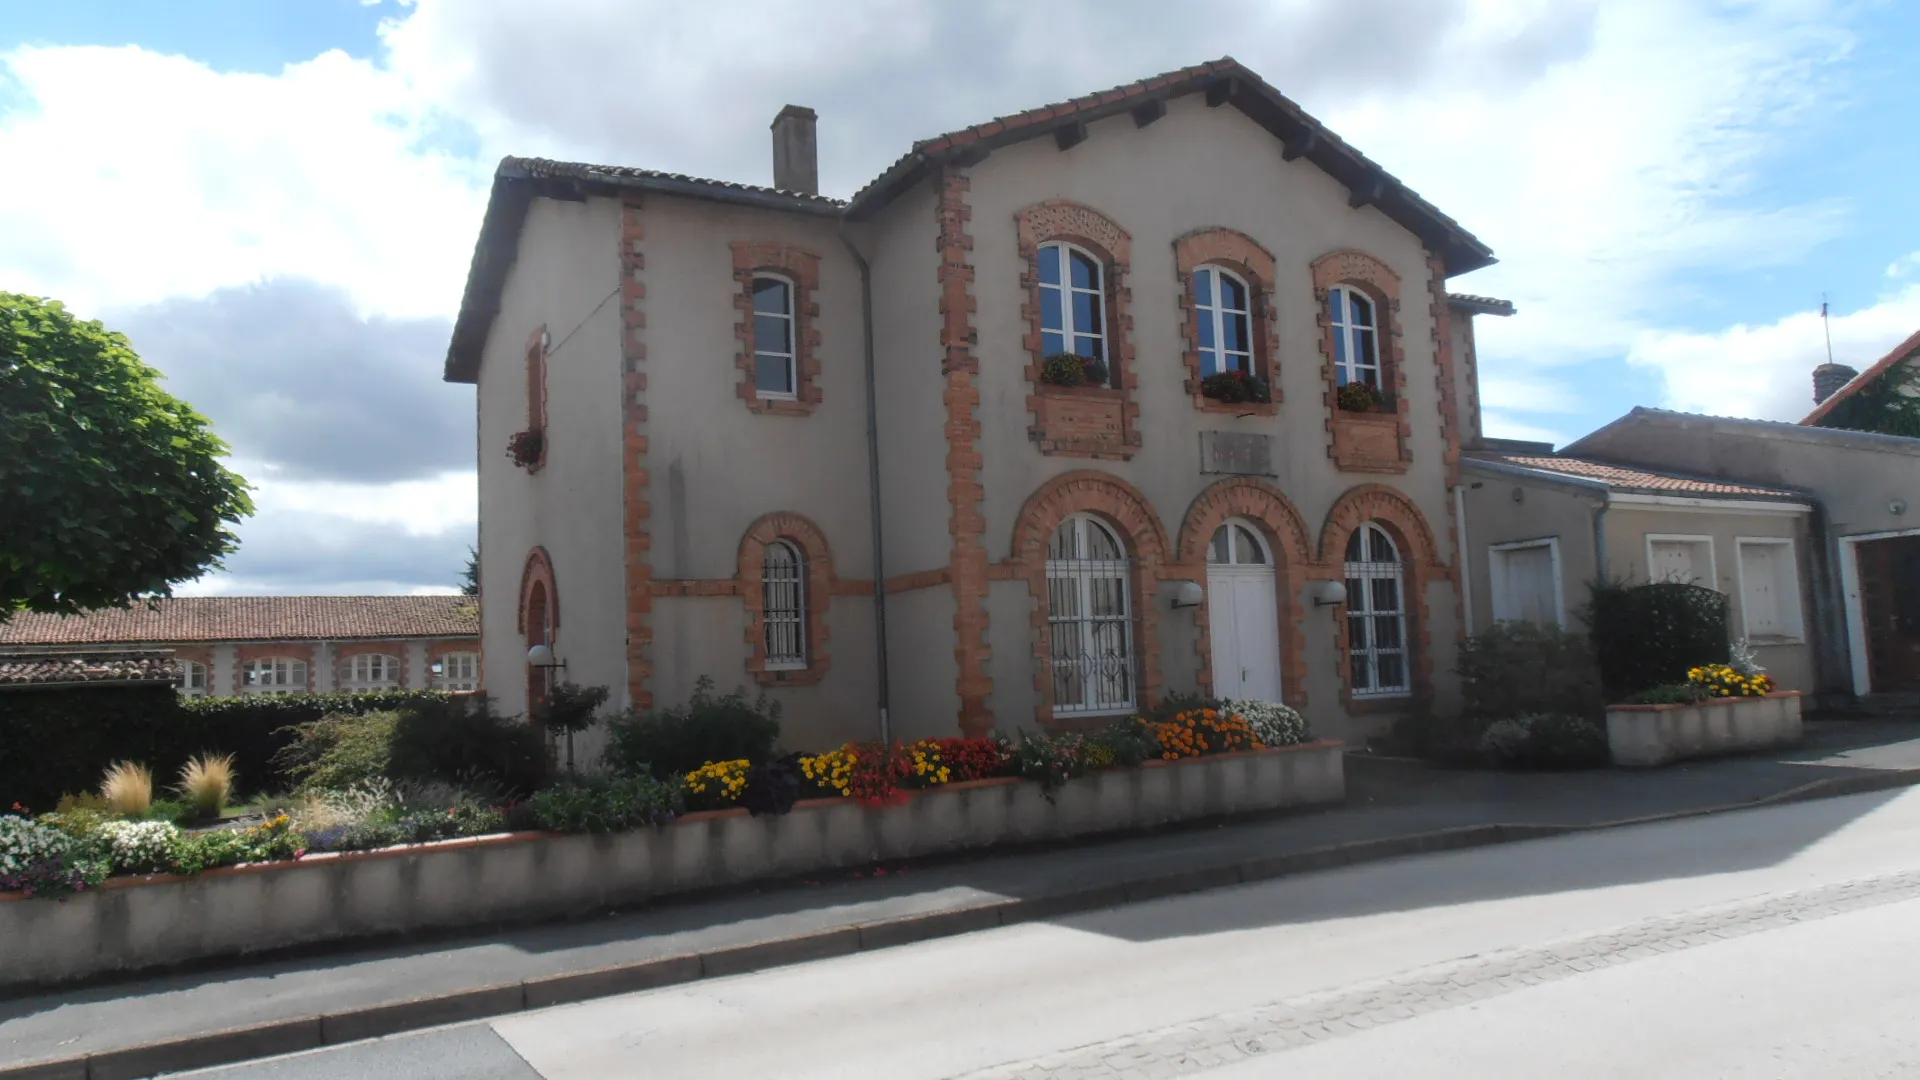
1644	735
1236	387
527	448
1069	369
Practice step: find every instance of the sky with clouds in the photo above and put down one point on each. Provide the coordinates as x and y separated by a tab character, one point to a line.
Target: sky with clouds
277	202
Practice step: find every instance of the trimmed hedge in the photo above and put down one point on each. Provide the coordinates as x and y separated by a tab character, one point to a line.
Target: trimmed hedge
1650	635
58	741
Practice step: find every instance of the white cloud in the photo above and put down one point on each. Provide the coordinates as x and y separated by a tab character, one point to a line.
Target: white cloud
1604	151
155	176
1904	265
1766	370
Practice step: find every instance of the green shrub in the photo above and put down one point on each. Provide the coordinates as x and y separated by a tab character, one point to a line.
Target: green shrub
58	741
1176	703
1647	635
610	804
338	751
465	742
669	743
1665	694
1514	669
1125	743
1545	741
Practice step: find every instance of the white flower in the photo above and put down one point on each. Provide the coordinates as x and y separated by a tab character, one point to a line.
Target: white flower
139	847
25	844
1273	723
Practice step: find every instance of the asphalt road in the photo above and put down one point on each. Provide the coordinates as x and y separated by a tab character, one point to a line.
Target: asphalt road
1767	943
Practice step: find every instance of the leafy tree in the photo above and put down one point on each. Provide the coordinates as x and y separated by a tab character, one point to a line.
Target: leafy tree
1889	404
112	488
470	577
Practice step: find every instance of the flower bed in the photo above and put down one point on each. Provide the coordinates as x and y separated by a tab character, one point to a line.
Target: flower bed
1659	734
140	921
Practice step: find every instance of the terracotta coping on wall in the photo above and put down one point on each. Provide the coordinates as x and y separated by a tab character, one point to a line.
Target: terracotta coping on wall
1695	704
502	839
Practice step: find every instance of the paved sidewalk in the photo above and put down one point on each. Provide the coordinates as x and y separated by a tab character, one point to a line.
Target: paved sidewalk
137	1027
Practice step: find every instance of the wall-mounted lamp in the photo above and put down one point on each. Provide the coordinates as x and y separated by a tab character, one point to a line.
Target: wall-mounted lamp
1519	494
546	341
1897	506
541	656
1327	593
1190	594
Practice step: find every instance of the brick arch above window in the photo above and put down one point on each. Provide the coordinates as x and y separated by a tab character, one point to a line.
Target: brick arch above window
1080	421
1244	257
1378	502
538	569
398	651
1247	499
800	268
820	584
1365	442
1122	507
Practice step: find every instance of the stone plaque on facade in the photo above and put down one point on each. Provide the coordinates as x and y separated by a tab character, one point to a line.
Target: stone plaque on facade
1236	452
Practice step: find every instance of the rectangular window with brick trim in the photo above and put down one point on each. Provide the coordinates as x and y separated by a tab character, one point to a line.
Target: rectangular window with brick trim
773	337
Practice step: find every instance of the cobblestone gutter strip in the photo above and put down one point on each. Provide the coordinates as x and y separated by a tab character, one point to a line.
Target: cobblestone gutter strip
1184	1049
204	1050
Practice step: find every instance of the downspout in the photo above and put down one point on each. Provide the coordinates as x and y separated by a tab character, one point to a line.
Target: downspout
873	485
1600	537
1466	563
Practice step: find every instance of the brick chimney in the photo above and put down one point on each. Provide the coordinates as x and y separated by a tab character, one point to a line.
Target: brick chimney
1828	379
796	160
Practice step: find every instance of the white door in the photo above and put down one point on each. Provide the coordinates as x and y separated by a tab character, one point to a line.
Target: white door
1244	617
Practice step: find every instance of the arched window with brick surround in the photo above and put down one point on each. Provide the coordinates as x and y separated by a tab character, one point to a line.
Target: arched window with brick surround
1227	321
1079	334
785	577
1380	544
539	620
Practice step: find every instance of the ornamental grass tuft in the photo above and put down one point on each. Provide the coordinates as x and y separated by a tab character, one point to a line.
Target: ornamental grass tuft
206	782
127	789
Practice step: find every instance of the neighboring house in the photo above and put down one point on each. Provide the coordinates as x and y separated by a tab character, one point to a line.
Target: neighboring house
1885	398
816	447
226	645
1542	527
59	671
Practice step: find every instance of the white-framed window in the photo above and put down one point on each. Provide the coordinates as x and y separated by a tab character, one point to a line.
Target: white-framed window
1685	559
774	370
1073	305
274	675
1376	615
1769	589
1235	544
1089	619
193	678
457	672
1525	580
1356	334
370	671
783	605
1223	310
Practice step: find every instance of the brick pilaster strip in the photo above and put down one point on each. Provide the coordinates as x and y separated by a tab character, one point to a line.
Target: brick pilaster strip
966	522
634	480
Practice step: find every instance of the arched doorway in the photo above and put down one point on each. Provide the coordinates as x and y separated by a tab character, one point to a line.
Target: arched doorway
1243	614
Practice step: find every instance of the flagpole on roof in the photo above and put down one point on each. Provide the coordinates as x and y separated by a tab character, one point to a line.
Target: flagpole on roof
1826	326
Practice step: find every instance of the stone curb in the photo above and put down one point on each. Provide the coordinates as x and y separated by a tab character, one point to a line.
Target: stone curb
353	1025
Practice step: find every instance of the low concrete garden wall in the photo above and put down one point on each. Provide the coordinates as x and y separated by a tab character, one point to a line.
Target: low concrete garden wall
142	922
1658	734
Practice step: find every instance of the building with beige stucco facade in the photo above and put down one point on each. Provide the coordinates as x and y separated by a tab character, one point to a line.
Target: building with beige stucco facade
1060	414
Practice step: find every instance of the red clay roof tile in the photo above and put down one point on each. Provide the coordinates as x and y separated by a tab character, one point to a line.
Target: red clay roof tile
251	618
